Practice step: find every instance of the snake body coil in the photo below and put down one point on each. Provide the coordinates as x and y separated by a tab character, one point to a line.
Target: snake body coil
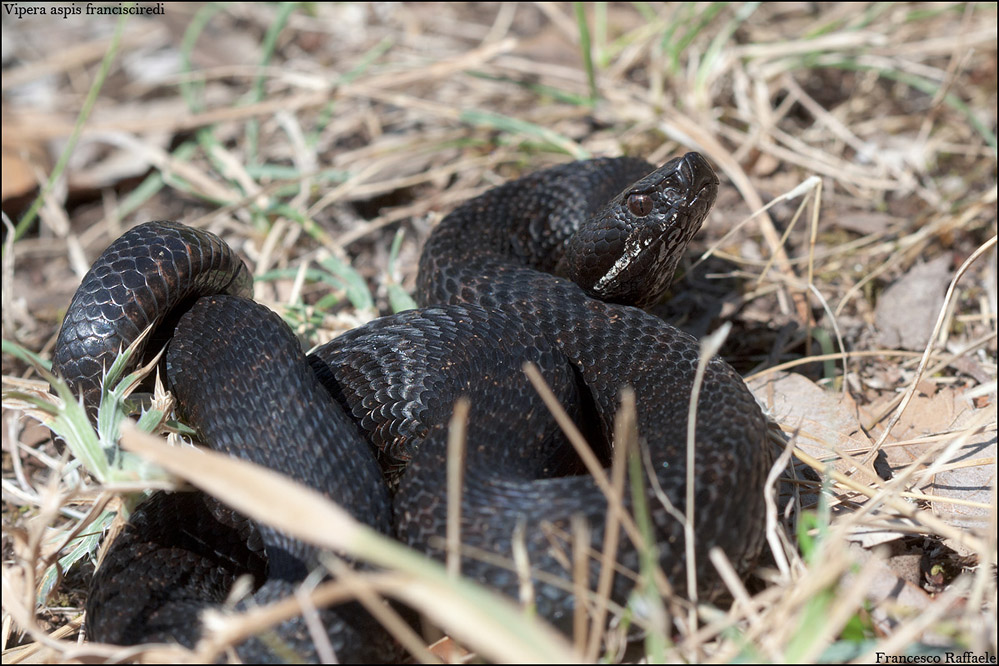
510	277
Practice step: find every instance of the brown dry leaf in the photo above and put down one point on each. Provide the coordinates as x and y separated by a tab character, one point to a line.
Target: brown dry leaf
18	178
908	309
867	222
891	583
969	472
972	482
22	161
825	422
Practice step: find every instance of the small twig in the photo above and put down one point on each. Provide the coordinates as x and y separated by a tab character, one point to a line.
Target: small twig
455	483
580	581
710	345
381	611
625	434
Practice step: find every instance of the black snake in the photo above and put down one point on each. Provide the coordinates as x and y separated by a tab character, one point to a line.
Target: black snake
548	269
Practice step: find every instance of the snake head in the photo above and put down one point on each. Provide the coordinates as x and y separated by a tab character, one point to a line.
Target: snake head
628	251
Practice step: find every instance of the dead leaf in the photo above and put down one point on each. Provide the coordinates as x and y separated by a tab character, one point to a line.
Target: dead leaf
22	161
908	309
964	484
866	222
825	421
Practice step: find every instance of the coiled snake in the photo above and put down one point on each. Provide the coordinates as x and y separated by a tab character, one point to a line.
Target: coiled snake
547	269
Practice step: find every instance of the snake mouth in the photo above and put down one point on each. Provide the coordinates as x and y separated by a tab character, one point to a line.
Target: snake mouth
701	180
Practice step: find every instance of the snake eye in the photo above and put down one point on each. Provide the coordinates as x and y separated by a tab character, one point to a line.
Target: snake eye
640	205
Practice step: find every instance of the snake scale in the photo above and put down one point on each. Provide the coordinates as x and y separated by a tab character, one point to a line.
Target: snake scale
550	269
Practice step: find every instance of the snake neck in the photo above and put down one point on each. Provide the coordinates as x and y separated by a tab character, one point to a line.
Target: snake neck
524	224
616	227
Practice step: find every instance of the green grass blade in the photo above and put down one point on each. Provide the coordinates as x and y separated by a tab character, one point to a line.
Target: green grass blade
586	47
88	105
520	127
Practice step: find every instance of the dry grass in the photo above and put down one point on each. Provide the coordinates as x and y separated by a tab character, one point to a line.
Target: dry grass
308	135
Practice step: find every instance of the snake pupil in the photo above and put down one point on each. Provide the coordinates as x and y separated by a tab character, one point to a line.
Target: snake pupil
640	205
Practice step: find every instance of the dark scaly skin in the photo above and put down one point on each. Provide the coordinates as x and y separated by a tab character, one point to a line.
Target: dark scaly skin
161	571
162	267
169	563
243	383
467	260
398	376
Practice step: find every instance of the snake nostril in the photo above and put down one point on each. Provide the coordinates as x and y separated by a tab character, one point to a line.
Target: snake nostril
700	173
